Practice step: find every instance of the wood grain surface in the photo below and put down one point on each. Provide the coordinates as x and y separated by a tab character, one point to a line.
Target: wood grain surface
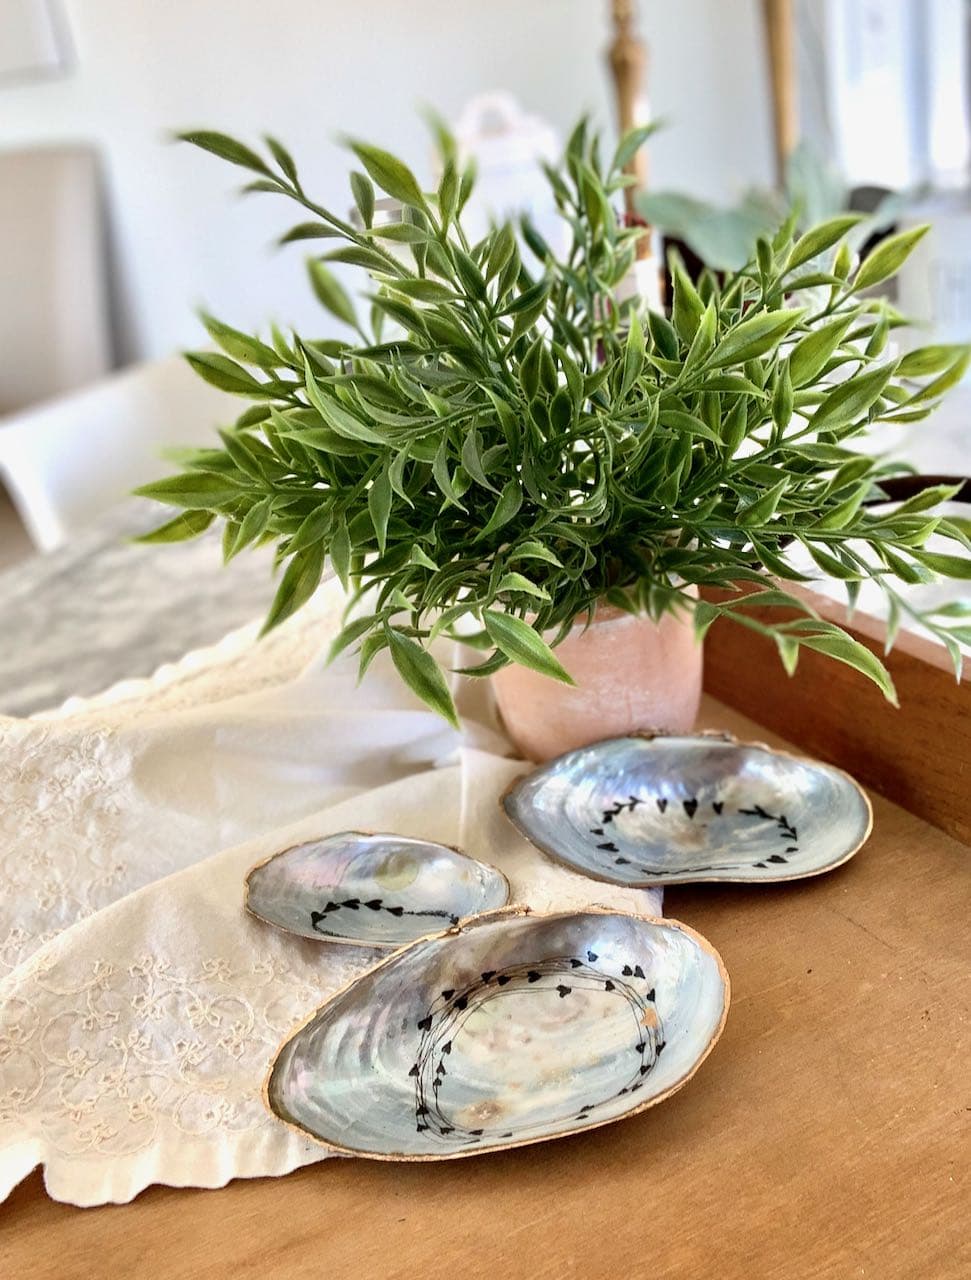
779	20
828	1136
918	755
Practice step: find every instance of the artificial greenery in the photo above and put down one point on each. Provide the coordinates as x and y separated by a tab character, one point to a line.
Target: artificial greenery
501	443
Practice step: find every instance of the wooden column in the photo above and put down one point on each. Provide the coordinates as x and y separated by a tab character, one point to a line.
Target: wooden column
628	64
779	20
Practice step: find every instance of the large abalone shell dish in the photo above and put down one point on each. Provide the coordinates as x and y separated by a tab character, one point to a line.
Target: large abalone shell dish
508	1030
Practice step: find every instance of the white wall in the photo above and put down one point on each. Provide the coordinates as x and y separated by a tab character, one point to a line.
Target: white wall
309	69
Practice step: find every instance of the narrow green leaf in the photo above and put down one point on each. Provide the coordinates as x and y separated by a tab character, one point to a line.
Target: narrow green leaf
830	564
947	566
633	355
521	644
510	500
401	233
330	293
888	257
336	415
763	509
788	648
925	361
704	339
448	192
532	550
299	582
313	528
630	144
349	634
422	674
688	423
363	193
663	335
754	337
340	555
226	148
189	524
843	513
224	373
845	649
252	526
501	252
240	345
379	505
945	381
811	353
423	559
203	490
849	400
782	397
308	231
819	239
283	158
687	308
517	582
356	256
472	460
443	477
528	307
390	174
424	290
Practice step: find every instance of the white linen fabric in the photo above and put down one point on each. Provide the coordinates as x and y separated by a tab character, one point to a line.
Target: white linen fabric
140	1006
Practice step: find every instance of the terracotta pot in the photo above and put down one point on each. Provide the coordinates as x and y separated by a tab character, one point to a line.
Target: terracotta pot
631	673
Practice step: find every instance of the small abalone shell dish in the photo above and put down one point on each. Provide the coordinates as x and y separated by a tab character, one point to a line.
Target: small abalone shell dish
509	1030
650	810
372	890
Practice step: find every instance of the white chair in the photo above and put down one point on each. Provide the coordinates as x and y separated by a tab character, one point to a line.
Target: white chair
54	329
65	462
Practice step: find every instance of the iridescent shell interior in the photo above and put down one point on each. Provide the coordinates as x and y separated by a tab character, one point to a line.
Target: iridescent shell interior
667	810
512	1030
373	890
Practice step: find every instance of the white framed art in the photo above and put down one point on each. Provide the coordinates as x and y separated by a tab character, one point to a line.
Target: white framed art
34	41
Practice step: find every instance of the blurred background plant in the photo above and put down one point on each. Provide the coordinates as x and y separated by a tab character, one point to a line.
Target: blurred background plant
721	237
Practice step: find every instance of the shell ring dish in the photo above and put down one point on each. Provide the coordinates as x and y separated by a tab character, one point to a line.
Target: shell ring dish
652	809
506	1030
489	1026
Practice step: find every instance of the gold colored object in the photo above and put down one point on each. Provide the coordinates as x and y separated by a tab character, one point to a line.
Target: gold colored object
779	21
628	63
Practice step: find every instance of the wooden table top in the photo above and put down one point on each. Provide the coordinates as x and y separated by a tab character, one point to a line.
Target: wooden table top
829	1134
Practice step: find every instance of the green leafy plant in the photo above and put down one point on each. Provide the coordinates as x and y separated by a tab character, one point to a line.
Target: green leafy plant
722	237
498	443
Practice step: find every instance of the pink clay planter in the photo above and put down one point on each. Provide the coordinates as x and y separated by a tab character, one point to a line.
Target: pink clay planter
631	673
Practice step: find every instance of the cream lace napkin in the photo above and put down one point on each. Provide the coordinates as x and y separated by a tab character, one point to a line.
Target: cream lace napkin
139	1005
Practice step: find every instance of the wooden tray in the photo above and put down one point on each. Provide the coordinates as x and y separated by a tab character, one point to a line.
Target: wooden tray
919	755
827	1136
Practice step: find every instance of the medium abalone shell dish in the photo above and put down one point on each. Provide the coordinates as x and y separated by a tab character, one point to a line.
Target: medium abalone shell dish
508	1030
650	810
371	890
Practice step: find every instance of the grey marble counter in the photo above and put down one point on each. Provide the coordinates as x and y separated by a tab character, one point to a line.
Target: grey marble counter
104	609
